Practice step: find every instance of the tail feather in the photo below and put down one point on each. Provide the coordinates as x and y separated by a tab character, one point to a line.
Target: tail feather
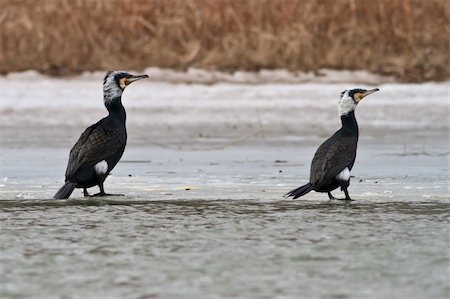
65	191
300	191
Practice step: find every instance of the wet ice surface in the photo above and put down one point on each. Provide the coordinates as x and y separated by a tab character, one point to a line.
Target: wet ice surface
203	177
381	174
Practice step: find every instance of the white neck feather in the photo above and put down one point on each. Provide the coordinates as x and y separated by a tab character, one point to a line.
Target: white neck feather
346	104
111	90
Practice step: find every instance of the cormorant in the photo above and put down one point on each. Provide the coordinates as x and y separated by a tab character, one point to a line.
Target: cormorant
101	145
334	159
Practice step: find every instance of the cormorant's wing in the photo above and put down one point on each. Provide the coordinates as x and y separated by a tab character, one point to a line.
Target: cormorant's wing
333	156
98	142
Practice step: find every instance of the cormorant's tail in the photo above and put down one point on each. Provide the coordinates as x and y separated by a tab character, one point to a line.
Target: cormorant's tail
65	190
300	191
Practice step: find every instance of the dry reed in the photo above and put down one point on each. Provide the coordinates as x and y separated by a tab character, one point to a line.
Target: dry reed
405	38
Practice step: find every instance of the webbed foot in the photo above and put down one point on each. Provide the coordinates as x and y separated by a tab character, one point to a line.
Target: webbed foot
347	197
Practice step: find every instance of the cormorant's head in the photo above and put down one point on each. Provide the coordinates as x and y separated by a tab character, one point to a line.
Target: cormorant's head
351	97
116	81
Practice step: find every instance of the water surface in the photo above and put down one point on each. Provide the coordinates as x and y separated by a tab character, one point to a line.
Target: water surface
116	248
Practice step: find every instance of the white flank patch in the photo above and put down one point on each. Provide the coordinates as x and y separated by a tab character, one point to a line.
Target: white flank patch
346	104
101	167
344	175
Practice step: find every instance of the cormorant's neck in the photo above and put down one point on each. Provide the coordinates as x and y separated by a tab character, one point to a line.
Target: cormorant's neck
115	108
349	123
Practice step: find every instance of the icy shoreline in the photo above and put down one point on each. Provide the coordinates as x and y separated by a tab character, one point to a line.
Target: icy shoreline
39	110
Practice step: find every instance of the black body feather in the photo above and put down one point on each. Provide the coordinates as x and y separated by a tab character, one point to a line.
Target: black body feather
105	140
333	156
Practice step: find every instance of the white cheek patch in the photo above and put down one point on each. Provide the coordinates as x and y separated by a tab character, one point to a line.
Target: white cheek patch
101	167
346	105
344	175
110	89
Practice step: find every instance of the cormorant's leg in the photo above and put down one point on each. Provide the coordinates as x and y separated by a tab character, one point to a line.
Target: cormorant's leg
102	191
347	197
344	186
85	193
330	196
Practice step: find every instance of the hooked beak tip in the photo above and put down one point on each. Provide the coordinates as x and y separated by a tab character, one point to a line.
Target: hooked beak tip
136	78
141	77
370	91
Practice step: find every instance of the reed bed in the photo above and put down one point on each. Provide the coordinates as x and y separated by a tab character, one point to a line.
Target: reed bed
404	38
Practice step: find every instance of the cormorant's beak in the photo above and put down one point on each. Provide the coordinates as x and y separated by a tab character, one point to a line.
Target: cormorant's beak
134	78
364	94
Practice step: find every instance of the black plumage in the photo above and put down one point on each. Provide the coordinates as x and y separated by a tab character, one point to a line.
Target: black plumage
100	146
334	159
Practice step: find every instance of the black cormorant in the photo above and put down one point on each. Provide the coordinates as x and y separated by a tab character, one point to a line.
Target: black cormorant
101	145
334	159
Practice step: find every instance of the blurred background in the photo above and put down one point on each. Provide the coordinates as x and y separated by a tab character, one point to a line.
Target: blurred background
408	39
240	95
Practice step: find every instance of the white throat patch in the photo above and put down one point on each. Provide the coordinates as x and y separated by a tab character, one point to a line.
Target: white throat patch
344	175
101	167
346	104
